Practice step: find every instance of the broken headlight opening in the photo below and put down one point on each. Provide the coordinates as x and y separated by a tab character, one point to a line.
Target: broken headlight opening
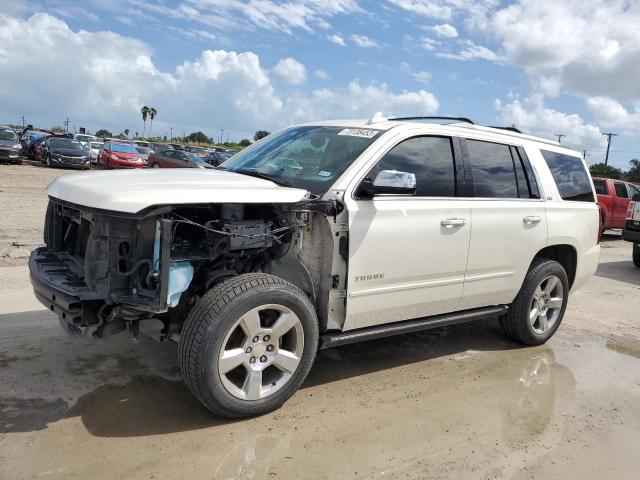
103	272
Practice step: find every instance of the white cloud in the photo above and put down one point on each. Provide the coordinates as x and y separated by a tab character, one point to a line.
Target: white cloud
532	116
444	30
218	89
364	41
361	101
426	8
473	12
589	47
287	16
610	113
429	44
321	74
471	51
337	39
422	76
290	70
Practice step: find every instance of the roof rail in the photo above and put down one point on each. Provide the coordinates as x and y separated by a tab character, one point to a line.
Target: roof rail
459	119
511	129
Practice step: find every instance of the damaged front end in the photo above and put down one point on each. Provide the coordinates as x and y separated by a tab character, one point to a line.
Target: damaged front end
103	272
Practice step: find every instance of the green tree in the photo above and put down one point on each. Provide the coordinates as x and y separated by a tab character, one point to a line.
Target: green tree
260	134
136	135
102	133
126	132
606	171
634	172
198	137
245	142
145	112
152	114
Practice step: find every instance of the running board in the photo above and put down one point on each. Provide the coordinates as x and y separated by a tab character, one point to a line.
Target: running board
331	340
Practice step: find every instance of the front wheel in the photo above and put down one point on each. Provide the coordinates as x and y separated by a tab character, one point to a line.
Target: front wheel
248	345
636	254
536	313
155	165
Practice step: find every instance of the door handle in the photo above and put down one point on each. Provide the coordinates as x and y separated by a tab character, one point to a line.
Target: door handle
453	222
531	219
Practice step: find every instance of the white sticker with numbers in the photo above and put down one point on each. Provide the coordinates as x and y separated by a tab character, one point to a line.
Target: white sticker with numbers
358	132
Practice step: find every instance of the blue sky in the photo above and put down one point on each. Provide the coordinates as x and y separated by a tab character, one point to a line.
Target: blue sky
549	68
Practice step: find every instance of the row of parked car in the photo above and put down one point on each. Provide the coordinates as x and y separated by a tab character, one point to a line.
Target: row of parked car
82	151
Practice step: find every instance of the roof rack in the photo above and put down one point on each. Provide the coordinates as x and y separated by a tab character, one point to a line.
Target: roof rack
511	129
459	119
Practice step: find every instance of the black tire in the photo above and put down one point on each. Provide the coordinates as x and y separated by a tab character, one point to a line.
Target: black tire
636	254
515	323
211	319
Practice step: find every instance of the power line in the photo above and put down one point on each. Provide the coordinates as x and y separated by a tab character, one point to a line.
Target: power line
608	135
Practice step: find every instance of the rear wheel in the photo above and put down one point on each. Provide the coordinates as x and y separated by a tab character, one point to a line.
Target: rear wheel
248	345
536	313
636	254
155	165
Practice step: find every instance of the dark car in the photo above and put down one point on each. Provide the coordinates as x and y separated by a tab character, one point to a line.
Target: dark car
176	159
216	158
10	148
631	228
36	149
29	139
66	152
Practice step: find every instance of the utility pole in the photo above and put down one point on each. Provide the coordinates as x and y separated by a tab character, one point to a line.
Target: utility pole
560	135
608	135
66	125
221	133
171	134
227	137
584	155
23	122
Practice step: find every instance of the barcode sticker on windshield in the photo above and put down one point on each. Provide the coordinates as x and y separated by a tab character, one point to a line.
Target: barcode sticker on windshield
358	132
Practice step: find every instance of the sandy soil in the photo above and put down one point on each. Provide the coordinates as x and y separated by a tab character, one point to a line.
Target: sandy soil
459	402
23	204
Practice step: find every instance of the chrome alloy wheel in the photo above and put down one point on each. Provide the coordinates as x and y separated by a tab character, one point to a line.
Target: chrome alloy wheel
261	352
546	304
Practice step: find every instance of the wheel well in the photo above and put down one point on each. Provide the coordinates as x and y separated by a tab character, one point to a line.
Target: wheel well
565	255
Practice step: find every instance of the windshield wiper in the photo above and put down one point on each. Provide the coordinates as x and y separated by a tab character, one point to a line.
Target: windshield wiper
265	176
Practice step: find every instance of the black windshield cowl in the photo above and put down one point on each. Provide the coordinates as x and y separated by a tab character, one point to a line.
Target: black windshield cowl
264	176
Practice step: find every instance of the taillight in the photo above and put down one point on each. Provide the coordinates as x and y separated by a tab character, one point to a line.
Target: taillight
630	208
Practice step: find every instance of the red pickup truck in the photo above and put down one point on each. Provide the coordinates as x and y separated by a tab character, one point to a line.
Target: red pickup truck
613	200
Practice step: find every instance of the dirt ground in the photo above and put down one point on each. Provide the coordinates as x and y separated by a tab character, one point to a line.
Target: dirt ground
459	402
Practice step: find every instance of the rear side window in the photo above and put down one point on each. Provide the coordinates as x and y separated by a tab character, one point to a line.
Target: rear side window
570	175
429	158
601	187
621	190
493	171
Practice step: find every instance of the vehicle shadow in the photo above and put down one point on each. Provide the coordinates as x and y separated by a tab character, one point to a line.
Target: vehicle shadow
139	390
622	271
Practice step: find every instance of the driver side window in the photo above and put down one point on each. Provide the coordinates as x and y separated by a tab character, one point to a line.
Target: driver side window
429	158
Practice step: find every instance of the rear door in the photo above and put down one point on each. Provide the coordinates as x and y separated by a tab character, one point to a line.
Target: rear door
509	221
620	203
408	254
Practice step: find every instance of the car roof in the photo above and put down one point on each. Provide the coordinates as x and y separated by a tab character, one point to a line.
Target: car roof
456	126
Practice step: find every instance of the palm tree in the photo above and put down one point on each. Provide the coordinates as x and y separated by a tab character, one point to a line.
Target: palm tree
144	111
152	114
126	132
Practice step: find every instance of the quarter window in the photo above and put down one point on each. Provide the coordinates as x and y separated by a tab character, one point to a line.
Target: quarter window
429	158
493	171
570	175
633	190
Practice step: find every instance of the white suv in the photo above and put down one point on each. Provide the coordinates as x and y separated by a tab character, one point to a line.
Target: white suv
316	236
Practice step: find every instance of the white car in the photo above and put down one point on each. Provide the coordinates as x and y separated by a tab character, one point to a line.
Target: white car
321	235
94	150
85	139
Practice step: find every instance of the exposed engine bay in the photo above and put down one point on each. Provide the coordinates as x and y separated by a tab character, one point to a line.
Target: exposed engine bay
105	272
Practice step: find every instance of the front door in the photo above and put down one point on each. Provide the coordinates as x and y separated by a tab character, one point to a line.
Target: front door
620	204
408	254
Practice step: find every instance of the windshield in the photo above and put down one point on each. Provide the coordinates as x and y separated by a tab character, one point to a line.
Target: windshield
123	148
85	138
8	135
96	145
66	143
309	157
144	150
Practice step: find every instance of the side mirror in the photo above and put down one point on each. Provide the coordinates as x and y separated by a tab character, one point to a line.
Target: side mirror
390	182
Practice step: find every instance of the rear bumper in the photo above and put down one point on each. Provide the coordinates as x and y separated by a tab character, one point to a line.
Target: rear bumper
631	231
